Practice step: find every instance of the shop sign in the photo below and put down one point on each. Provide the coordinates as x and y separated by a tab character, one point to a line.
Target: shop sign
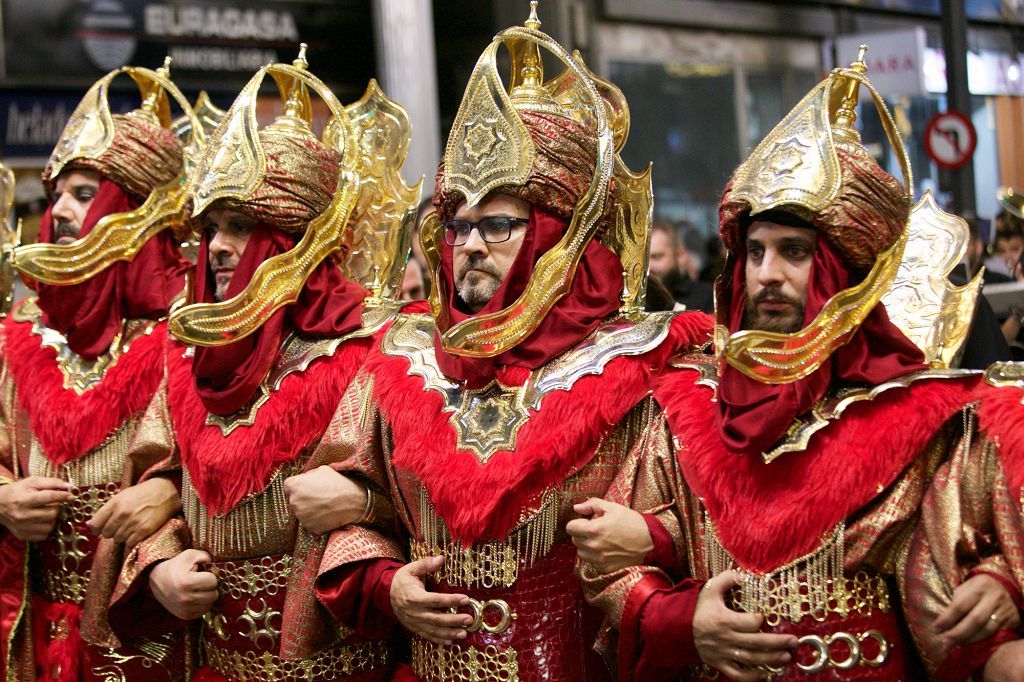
988	72
895	59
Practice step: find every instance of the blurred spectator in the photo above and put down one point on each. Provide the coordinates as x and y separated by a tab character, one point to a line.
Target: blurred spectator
1009	245
716	259
672	264
412	284
977	252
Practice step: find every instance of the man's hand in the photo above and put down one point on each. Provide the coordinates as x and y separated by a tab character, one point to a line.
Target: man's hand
980	607
184	590
613	538
137	512
427	614
29	506
1006	664
731	641
323	499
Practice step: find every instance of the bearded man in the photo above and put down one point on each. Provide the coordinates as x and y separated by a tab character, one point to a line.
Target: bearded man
808	445
279	328
526	392
79	364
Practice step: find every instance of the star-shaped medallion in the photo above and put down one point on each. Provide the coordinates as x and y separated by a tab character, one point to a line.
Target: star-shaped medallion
488	419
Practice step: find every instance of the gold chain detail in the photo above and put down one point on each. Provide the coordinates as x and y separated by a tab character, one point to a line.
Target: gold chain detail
103	463
456	663
250	528
337	661
814	585
265	576
488	564
67	584
64	587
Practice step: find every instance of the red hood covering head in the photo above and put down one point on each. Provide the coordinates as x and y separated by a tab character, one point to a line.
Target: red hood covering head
594	295
91	313
866	218
329	305
566	154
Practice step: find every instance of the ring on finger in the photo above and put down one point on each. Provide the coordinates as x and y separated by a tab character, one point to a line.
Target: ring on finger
994	617
736	654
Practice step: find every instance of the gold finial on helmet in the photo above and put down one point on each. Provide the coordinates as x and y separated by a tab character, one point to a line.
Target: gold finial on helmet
297	114
846	114
527	89
150	110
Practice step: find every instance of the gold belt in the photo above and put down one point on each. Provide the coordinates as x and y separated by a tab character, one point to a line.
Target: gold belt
793	597
824	656
458	663
68	584
252	577
329	664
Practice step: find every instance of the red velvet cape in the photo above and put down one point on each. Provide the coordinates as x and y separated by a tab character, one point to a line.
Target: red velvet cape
69	425
225	469
482	502
768	515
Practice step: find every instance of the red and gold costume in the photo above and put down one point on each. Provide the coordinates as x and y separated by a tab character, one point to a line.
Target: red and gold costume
807	456
486	428
247	405
80	362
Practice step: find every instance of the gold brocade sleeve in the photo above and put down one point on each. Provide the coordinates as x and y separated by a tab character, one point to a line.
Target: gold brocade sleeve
968	523
9	454
647	481
152	452
352	446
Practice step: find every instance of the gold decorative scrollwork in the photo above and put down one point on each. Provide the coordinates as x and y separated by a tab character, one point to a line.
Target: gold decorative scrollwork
378	238
922	302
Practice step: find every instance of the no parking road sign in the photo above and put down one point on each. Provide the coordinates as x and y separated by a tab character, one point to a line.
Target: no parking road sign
950	140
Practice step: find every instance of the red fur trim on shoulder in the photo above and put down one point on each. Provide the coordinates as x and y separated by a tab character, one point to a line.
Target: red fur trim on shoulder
225	469
69	425
484	501
1001	418
767	515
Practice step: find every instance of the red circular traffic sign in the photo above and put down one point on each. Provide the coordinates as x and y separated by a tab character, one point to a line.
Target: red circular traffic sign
950	140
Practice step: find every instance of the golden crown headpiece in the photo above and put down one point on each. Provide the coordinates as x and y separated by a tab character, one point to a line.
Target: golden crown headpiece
88	134
366	225
490	147
797	167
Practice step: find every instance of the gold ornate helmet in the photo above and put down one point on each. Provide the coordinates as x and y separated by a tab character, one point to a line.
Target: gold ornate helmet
341	191
813	165
140	152
493	147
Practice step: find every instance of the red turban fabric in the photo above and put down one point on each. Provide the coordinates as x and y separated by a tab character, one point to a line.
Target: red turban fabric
329	305
90	314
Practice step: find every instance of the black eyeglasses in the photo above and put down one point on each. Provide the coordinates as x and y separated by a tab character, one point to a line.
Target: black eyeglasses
493	229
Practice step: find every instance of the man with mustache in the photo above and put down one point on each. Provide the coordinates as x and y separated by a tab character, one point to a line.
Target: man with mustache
525	393
79	364
298	235
807	446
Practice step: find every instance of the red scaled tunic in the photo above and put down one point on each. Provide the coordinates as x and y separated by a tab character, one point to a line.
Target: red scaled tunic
488	478
266	623
66	418
819	527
